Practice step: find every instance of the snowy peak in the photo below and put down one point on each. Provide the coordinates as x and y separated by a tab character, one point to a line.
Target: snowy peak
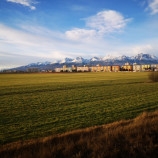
139	58
109	58
113	58
70	60
142	56
95	59
123	57
80	60
66	60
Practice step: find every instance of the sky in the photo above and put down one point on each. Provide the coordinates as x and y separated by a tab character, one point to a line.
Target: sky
48	30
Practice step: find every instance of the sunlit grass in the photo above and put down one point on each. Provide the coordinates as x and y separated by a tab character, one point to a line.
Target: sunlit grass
35	105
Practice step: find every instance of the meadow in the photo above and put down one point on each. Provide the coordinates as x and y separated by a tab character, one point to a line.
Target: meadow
38	105
132	138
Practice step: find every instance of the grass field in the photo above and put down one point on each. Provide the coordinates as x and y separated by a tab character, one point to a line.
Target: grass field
37	105
133	138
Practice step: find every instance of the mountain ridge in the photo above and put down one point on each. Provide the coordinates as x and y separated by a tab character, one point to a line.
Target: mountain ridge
80	61
140	57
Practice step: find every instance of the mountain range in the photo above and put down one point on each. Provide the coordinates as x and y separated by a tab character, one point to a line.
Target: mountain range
107	60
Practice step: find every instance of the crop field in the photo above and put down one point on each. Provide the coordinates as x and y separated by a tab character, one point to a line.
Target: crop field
38	105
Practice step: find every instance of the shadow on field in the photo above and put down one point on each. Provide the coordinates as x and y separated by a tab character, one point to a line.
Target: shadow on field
153	76
132	138
65	87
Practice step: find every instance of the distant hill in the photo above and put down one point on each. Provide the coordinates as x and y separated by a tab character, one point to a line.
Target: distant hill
107	60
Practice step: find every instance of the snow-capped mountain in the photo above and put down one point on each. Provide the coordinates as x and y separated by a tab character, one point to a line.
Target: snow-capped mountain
137	58
107	60
66	60
95	59
80	60
110	58
39	63
70	60
123	57
142	56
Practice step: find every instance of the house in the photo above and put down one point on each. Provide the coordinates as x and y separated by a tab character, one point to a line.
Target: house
74	68
137	68
97	68
64	69
107	68
127	67
146	67
154	67
58	69
94	68
83	69
115	68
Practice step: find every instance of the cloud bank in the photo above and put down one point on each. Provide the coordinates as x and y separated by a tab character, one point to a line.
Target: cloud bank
103	23
29	42
107	21
153	6
27	3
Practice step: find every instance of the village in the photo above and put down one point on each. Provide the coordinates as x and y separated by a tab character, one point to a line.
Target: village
115	68
87	68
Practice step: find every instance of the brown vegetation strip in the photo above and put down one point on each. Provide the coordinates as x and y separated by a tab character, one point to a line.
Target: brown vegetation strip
132	138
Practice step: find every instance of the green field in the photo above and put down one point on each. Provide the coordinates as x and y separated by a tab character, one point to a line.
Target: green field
37	105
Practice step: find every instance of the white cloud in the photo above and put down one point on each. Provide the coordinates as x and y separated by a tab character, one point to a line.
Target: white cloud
153	6
78	34
99	25
107	21
37	41
145	48
28	3
13	36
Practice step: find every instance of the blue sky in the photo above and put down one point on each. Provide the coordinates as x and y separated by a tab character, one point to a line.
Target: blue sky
40	30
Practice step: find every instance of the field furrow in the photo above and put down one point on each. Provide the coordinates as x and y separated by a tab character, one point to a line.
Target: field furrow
37	105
